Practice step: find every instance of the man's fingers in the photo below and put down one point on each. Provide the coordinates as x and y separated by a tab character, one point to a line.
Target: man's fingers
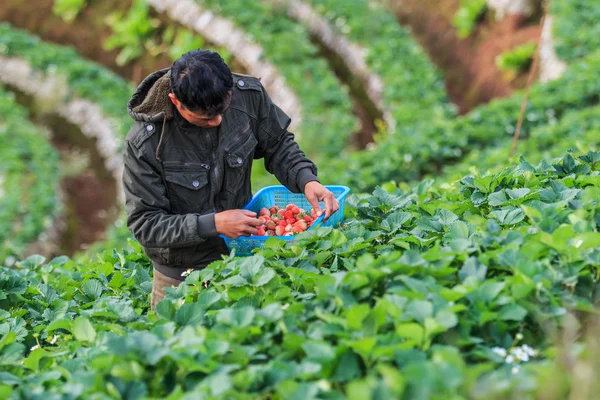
249	213
315	205
252	222
329	206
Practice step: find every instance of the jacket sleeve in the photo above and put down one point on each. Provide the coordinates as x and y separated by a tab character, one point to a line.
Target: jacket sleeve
283	156
147	207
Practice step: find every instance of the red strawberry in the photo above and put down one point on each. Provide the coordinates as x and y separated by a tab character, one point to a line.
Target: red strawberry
295	210
270	225
301	225
261	232
264	211
288	215
274	210
289	207
308	219
283	223
280	231
289	228
270	233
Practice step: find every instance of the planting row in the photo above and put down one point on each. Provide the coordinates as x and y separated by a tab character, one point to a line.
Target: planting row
578	130
425	293
29	179
412	87
328	122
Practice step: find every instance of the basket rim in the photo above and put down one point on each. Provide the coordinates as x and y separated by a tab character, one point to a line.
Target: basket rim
340	198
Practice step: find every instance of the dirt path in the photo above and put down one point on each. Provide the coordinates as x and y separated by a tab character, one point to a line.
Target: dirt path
469	67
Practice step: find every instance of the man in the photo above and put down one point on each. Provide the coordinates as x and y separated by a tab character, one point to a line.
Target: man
188	159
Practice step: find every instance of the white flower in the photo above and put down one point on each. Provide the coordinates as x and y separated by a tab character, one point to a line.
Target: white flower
520	354
187	272
515	369
510	359
528	350
408	158
37	346
519	336
500	351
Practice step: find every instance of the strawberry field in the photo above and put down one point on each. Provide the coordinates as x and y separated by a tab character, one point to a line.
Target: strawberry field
458	271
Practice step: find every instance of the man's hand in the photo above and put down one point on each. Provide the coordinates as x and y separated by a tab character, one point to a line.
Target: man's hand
316	192
236	223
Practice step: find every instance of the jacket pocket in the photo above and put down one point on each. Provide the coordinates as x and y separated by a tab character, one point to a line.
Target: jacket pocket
239	161
187	187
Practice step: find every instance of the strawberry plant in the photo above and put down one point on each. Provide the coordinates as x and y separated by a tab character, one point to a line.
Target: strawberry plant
426	292
29	180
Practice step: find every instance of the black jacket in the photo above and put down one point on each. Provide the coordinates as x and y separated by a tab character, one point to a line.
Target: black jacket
177	175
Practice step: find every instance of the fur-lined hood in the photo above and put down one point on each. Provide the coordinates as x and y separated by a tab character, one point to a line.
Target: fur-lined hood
150	102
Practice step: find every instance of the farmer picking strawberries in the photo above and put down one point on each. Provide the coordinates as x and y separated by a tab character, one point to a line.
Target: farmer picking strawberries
187	163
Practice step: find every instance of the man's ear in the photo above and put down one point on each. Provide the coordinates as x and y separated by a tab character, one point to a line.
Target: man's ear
173	98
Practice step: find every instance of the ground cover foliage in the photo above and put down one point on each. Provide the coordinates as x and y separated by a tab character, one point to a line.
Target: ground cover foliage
426	292
415	151
29	178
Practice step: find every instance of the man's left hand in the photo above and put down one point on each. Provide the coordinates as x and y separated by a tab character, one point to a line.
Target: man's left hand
316	192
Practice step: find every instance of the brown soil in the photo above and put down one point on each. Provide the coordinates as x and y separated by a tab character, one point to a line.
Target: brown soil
89	197
469	67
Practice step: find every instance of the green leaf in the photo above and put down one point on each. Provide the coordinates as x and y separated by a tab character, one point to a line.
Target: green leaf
512	312
83	330
348	367
497	198
586	240
395	221
517	194
190	314
489	290
92	288
251	267
509	215
411	331
356	316
9	379
447	319
239	317
264	277
33	360
59	324
447	217
419	310
457	230
321	352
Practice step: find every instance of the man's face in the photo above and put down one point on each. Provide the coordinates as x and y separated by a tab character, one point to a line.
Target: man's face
199	118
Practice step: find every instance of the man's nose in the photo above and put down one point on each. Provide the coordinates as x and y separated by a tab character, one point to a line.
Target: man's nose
216	121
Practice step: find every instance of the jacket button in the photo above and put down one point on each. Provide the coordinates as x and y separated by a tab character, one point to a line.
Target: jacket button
149	127
241	83
196	183
239	160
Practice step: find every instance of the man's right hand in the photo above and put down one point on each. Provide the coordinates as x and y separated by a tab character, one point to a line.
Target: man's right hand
236	223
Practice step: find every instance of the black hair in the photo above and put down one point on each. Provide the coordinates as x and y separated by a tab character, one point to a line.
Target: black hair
201	81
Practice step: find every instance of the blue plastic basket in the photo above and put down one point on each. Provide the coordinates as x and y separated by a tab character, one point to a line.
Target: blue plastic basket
280	196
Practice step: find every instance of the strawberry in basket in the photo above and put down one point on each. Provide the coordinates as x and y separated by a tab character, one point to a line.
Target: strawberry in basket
284	221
